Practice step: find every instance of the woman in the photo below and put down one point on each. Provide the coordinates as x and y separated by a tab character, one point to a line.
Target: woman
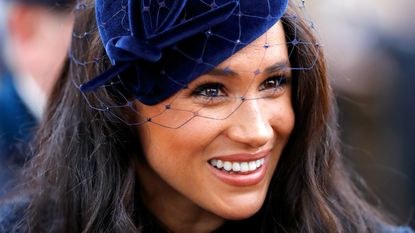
213	116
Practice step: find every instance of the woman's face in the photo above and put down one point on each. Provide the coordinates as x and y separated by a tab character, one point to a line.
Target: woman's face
224	166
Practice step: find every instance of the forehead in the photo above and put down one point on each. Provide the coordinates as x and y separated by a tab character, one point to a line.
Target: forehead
268	49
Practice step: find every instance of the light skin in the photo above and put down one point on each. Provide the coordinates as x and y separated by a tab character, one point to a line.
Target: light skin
39	39
179	185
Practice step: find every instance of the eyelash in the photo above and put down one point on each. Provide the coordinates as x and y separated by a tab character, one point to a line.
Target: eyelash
206	90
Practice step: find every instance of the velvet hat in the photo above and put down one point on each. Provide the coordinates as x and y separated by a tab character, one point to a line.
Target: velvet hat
164	44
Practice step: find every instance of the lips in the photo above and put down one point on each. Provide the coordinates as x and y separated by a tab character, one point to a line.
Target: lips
240	169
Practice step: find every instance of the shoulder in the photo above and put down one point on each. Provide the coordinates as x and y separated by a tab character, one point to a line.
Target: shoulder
11	213
16	120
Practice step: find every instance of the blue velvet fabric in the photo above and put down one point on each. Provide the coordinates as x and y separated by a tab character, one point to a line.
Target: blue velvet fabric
163	45
16	129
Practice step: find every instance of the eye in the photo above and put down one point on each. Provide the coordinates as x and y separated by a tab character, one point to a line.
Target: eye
209	90
272	83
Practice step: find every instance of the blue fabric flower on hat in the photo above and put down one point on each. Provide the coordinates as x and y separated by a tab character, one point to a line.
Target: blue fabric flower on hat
165	44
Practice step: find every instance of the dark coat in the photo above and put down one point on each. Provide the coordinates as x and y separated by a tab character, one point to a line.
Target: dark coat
11	212
17	126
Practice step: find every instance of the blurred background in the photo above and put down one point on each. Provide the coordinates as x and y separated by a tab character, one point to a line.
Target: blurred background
34	43
370	50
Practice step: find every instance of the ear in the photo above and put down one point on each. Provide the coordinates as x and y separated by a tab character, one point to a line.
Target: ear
22	23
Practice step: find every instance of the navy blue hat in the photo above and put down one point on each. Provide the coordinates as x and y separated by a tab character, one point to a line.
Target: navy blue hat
163	45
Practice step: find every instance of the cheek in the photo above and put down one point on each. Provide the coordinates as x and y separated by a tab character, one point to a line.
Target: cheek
174	152
192	137
281	117
178	157
285	121
282	120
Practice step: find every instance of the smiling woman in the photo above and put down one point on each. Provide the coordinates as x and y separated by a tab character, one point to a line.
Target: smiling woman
195	116
228	163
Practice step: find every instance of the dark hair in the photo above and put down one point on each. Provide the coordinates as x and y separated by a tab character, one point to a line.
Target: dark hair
83	179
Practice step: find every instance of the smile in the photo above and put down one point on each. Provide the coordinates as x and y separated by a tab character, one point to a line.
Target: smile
237	167
239	170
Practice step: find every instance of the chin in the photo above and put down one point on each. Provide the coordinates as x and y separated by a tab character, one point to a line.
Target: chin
241	213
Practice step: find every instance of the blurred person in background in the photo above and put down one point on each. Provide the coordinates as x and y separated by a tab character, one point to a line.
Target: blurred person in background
34	40
372	68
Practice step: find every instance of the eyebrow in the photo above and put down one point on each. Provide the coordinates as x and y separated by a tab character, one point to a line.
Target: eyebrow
282	66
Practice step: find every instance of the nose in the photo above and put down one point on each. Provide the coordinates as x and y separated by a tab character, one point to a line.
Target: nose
250	125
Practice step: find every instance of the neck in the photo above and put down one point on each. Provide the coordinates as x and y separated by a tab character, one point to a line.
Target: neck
174	211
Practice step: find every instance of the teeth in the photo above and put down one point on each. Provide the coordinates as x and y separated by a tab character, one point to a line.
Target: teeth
219	164
214	162
244	167
227	166
237	166
252	166
258	163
